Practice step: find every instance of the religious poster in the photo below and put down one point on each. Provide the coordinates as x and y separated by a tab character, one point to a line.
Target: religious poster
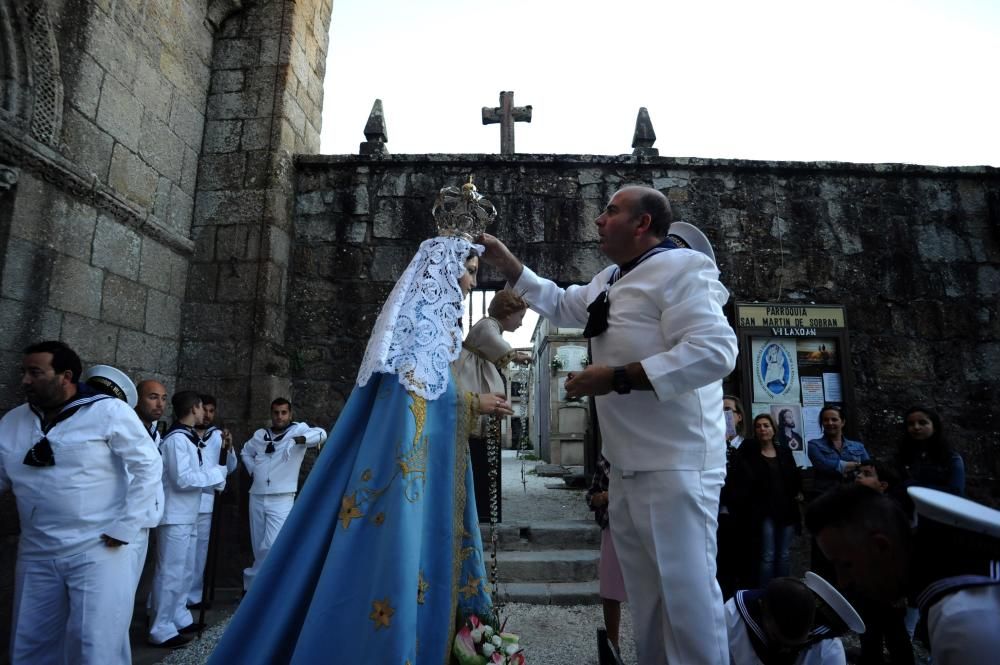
756	409
788	418
812	390
817	352
831	387
775	370
791	433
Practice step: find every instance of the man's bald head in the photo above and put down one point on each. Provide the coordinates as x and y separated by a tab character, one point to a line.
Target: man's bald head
646	200
152	400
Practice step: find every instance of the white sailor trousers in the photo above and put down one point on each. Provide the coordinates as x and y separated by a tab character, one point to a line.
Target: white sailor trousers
268	513
663	524
75	609
198	555
171	581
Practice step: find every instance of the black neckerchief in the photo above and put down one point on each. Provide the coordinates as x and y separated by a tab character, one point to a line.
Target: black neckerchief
41	453
190	435
274	437
598	310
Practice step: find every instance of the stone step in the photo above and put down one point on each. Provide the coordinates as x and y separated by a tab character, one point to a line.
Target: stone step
547	565
550	593
556	535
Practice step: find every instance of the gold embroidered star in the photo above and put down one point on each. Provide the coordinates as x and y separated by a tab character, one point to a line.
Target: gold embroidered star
422	587
349	510
471	587
466	553
381	613
379	519
366	476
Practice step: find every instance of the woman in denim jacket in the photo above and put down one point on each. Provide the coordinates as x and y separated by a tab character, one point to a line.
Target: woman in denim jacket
834	457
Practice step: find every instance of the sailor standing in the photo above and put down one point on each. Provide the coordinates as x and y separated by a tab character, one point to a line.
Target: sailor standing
218	446
152	399
273	457
186	472
84	474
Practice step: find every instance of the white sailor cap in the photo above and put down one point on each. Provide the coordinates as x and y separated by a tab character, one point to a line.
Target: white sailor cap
692	237
956	511
837	602
111	381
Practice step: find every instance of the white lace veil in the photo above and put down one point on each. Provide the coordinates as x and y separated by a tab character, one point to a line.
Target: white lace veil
418	332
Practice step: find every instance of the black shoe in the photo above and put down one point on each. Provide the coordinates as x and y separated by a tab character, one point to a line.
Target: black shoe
192	628
174	642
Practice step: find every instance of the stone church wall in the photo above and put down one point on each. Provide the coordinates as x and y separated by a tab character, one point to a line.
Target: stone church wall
913	253
144	144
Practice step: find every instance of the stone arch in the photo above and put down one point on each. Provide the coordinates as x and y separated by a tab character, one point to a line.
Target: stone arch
31	92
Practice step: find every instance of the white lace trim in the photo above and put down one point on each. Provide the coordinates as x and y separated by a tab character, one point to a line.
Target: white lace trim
418	332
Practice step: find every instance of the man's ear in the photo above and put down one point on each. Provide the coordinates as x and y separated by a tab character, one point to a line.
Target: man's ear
645	220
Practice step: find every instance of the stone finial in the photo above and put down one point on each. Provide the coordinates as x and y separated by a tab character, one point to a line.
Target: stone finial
644	136
375	132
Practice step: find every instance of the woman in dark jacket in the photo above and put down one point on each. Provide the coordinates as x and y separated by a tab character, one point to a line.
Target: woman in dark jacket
924	457
767	489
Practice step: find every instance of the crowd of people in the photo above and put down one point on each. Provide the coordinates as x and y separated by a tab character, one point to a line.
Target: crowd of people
93	475
380	555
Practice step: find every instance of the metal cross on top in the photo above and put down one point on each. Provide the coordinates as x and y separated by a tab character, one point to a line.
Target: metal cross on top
506	114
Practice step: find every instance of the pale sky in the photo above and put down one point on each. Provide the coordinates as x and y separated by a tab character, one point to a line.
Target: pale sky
853	80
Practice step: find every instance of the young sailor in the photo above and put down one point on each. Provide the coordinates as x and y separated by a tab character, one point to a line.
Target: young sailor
790	622
186	472
218	446
273	457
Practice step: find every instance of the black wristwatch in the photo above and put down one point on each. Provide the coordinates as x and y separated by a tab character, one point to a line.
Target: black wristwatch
619	381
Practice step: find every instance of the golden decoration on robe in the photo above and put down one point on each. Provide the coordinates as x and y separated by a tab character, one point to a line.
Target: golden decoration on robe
381	613
349	510
471	587
379	519
366	475
422	587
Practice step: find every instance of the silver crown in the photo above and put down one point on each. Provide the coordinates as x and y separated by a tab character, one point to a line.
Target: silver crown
462	212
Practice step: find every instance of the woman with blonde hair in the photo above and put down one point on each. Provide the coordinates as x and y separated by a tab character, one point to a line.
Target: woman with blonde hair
485	355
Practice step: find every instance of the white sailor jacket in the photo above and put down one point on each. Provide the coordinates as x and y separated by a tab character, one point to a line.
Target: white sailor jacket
667	314
104	480
185	475
278	472
212	451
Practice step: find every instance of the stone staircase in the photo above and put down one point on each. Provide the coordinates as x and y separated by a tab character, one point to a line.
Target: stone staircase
547	563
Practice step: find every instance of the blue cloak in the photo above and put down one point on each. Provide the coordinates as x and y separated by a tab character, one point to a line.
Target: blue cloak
382	551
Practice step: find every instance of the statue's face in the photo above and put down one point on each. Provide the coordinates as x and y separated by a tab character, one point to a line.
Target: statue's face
468	281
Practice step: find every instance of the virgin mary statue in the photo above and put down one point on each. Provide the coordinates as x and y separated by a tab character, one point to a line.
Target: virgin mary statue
382	554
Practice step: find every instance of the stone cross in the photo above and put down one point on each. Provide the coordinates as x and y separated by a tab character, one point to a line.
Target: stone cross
506	114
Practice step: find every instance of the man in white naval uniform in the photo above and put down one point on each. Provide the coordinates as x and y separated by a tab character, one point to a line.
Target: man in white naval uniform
84	474
152	401
186	472
216	440
661	346
948	566
273	457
